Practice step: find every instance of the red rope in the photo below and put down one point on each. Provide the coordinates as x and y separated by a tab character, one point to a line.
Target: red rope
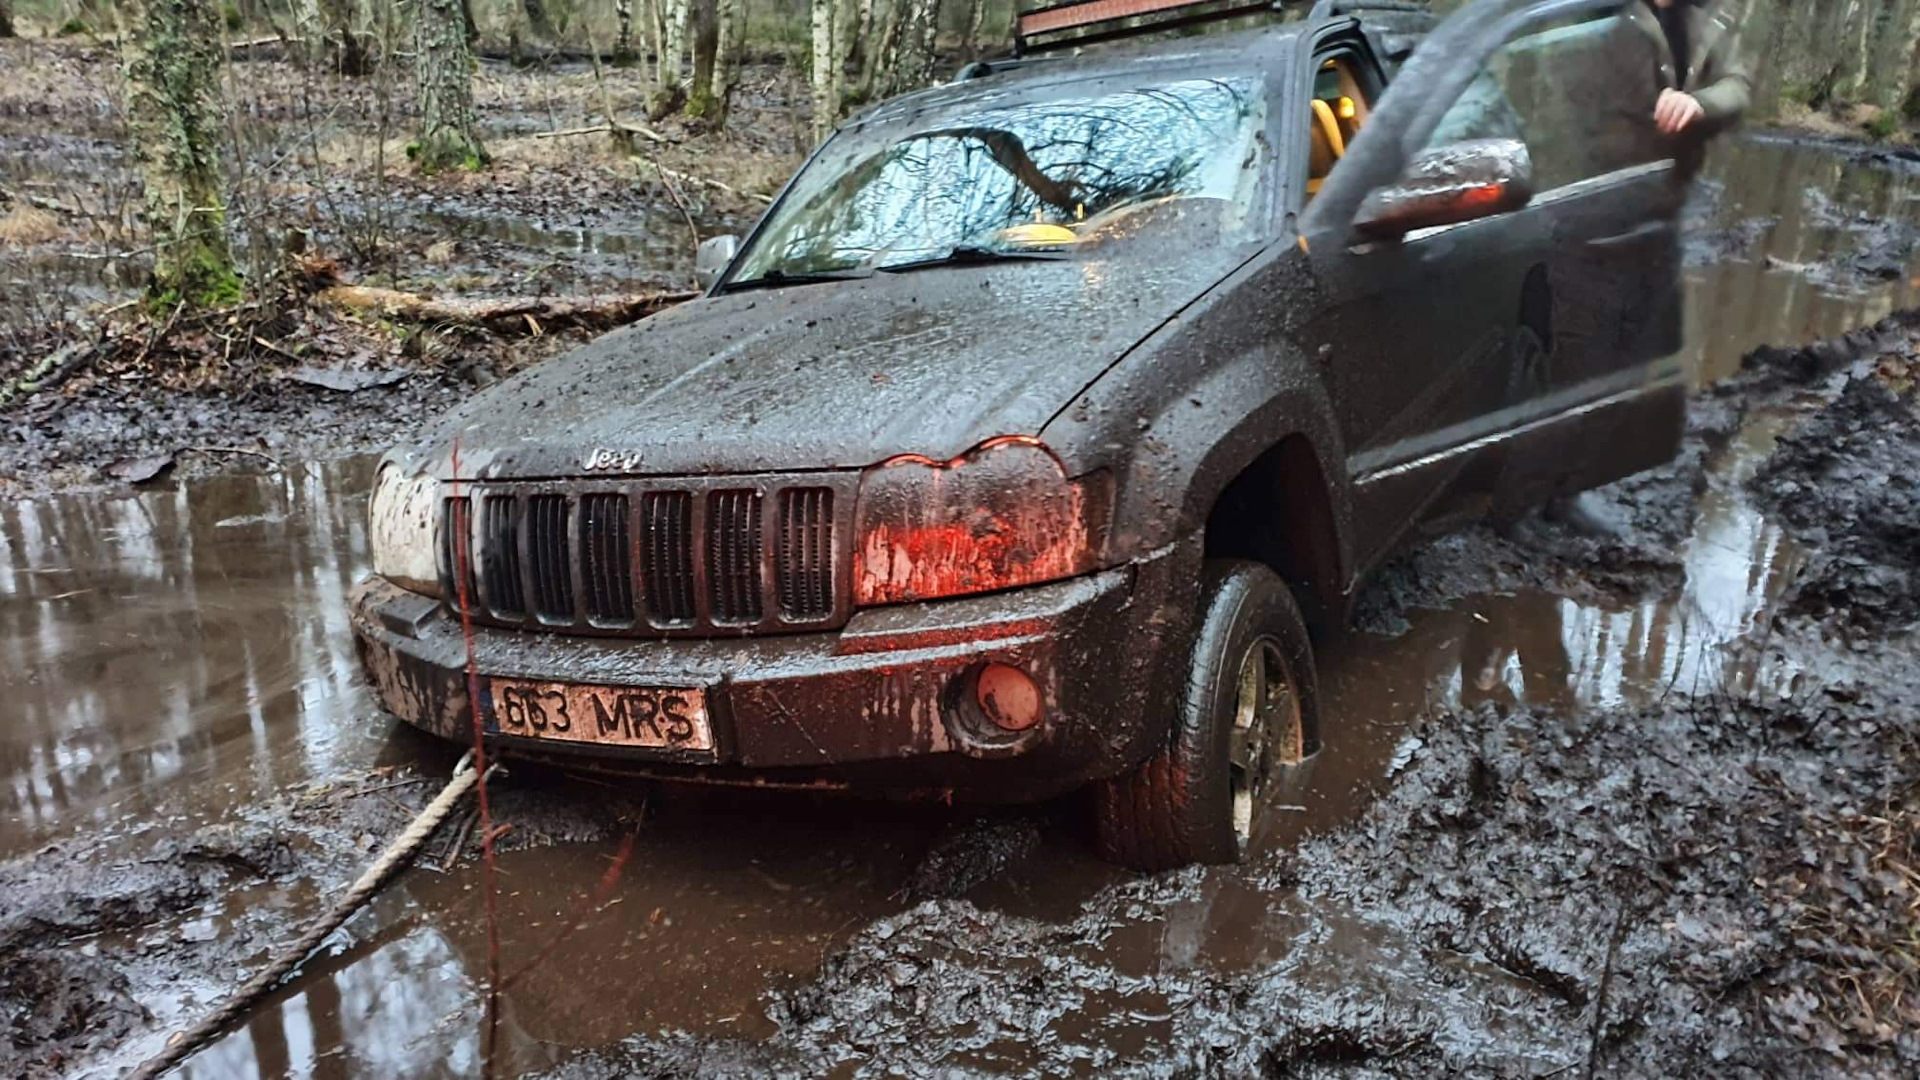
461	543
582	908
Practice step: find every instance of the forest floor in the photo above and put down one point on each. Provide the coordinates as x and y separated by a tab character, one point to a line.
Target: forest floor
100	392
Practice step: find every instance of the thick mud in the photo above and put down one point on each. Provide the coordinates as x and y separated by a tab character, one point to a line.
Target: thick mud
1640	802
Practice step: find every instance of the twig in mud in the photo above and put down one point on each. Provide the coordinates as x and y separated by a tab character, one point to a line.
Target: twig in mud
689	178
674	194
459	841
268	458
615	128
272	348
337	796
1606	983
155	339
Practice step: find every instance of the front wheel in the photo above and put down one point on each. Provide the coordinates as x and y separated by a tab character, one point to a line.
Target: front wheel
1247	714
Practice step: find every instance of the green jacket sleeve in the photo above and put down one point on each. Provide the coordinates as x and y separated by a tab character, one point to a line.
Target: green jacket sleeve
1726	88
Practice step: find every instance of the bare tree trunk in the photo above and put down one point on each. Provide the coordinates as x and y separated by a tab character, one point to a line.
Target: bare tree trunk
846	31
170	53
826	80
340	45
444	65
623	40
876	75
706	48
914	67
673	43
976	18
727	50
538	20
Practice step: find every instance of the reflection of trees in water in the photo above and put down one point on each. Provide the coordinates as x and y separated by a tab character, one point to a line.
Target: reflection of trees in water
963	181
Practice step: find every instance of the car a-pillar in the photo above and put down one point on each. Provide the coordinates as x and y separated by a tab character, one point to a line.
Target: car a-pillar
1247	708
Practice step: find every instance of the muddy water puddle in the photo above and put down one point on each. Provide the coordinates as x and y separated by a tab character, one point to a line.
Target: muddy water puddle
176	657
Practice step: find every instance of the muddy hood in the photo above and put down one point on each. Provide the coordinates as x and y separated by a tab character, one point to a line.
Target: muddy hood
832	375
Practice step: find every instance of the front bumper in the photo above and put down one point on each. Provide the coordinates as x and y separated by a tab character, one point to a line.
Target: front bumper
870	705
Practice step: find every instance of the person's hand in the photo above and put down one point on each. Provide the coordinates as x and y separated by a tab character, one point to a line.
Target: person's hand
1676	111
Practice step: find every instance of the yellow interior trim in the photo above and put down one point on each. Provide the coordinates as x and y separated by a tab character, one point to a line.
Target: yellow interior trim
1330	127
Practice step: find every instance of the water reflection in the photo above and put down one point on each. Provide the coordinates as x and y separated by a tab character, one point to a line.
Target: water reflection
1774	289
173	653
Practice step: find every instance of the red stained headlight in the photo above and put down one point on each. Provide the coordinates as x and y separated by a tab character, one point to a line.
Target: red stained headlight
1001	515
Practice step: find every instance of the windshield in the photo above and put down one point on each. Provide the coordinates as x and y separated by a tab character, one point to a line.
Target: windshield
1022	180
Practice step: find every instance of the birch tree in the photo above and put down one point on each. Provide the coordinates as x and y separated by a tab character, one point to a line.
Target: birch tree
673	44
170	55
826	78
444	67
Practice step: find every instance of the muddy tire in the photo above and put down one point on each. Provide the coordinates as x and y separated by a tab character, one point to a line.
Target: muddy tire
1246	714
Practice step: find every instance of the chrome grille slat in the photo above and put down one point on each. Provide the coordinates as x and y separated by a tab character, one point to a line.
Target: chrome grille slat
550	557
804	565
734	555
500	556
607	558
455	526
666	556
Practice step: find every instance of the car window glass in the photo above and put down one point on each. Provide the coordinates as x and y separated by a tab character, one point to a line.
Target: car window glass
1051	175
1579	91
1336	112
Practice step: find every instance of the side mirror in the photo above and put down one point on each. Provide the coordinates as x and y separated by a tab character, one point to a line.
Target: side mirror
710	259
1444	185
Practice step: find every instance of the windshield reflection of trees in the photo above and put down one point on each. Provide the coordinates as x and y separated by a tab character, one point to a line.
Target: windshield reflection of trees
966	182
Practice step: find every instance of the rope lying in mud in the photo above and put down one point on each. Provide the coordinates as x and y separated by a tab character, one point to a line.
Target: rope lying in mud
398	854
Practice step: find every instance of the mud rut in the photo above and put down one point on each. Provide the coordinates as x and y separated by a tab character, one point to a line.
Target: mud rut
1635	806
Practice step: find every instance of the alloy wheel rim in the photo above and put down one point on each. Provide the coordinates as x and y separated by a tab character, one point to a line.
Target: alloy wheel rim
1267	730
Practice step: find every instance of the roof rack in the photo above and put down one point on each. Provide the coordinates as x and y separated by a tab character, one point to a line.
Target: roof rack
1073	23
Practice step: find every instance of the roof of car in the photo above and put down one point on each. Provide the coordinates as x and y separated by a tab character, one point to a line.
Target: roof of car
1253	47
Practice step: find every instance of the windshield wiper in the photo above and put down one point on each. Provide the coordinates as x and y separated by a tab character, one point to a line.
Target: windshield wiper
973	253
777	277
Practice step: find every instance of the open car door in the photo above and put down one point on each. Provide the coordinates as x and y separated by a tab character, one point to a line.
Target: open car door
1499	247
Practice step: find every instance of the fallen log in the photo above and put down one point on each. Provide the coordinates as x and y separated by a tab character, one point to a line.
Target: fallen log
510	316
627	131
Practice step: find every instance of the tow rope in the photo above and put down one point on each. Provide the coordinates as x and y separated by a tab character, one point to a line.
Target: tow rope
397	855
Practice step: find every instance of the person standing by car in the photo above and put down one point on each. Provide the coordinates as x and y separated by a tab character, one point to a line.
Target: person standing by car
1705	85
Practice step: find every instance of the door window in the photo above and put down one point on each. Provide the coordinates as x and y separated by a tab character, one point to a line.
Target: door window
1579	91
1337	110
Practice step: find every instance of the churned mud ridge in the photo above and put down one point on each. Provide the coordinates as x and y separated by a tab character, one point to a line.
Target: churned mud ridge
1847	485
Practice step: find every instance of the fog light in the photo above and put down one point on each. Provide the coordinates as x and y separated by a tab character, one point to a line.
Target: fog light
1008	697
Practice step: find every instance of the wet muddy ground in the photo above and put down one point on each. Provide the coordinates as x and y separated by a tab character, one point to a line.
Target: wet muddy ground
1643	805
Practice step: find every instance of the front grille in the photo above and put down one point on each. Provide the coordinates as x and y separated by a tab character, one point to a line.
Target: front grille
658	557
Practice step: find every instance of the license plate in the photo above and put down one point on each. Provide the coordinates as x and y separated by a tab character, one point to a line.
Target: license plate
659	719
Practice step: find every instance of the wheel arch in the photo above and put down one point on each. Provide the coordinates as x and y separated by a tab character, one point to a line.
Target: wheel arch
1279	510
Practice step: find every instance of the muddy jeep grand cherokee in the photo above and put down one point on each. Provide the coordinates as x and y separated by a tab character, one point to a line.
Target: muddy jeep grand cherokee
1034	431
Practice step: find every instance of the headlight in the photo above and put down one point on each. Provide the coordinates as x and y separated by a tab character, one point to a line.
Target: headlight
1001	515
401	528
